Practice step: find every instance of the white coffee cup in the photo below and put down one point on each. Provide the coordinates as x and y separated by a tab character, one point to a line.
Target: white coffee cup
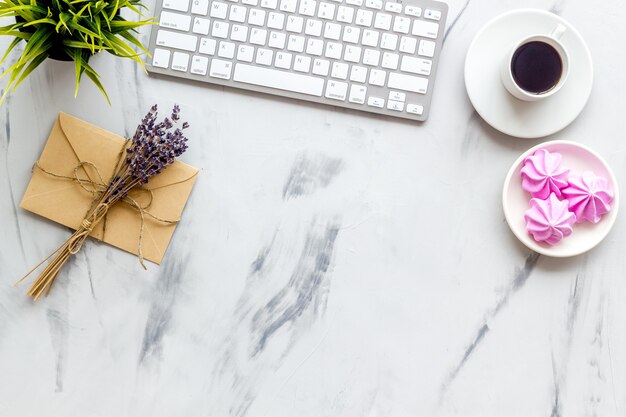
552	39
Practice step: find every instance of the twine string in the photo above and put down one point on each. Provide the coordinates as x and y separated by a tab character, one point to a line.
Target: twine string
97	188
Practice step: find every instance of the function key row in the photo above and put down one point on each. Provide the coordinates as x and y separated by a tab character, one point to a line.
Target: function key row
201	6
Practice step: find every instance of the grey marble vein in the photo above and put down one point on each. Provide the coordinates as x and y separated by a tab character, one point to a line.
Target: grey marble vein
557	7
163	299
519	279
556	404
305	291
59	337
456	19
309	173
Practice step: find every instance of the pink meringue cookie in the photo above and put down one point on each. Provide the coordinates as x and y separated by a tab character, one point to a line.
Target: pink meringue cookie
588	196
549	220
543	174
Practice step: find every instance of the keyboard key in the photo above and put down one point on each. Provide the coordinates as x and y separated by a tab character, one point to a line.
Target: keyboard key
283	60
389	41
364	17
371	57
175	21
374	4
245	53
358	74
307	7
201	26
176	40
220	30
351	34
357	94
401	24
395	105
352	54
258	36
383	21
390	60
408	45
264	56
161	58
239	33
277	40
199	65
219	10
376	102
288	6
313	27
408	83
221	69
315	47
355	2
180	61
432	14
269	4
345	14
370	38
200	7
415	109
426	48
413	11
425	29
180	5
256	17
377	77
237	14
294	24
332	31
276	20
393	7
281	80
296	43
340	70
302	63
397	96
336	90
416	65
326	11
226	50
320	67
250	2
333	50
207	46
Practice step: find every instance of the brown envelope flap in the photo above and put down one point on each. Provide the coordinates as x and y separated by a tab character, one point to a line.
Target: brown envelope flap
92	144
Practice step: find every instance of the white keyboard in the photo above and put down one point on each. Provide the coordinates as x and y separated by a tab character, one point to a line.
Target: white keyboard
370	55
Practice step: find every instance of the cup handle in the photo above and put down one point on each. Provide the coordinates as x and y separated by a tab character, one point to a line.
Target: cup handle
558	31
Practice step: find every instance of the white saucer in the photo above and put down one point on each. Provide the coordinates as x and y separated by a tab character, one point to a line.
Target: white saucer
496	105
515	200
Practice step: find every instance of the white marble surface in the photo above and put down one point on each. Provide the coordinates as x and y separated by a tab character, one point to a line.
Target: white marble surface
328	263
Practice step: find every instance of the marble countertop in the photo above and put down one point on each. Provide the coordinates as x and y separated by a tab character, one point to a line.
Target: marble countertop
329	263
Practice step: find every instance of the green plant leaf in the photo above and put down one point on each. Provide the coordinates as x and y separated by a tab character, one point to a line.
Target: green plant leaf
36	43
12	45
34	63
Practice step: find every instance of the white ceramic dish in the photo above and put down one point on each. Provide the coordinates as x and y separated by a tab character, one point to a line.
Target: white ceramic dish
496	105
577	158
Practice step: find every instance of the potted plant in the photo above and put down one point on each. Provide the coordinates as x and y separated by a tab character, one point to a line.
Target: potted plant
70	30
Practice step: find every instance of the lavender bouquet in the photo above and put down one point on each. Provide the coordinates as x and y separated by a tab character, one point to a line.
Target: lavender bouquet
153	147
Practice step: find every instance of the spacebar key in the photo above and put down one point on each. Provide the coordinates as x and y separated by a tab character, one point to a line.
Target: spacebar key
281	80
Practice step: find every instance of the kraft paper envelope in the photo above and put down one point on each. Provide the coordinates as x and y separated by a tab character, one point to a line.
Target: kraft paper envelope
64	201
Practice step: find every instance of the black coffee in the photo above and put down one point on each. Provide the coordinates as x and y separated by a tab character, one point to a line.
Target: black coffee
536	67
